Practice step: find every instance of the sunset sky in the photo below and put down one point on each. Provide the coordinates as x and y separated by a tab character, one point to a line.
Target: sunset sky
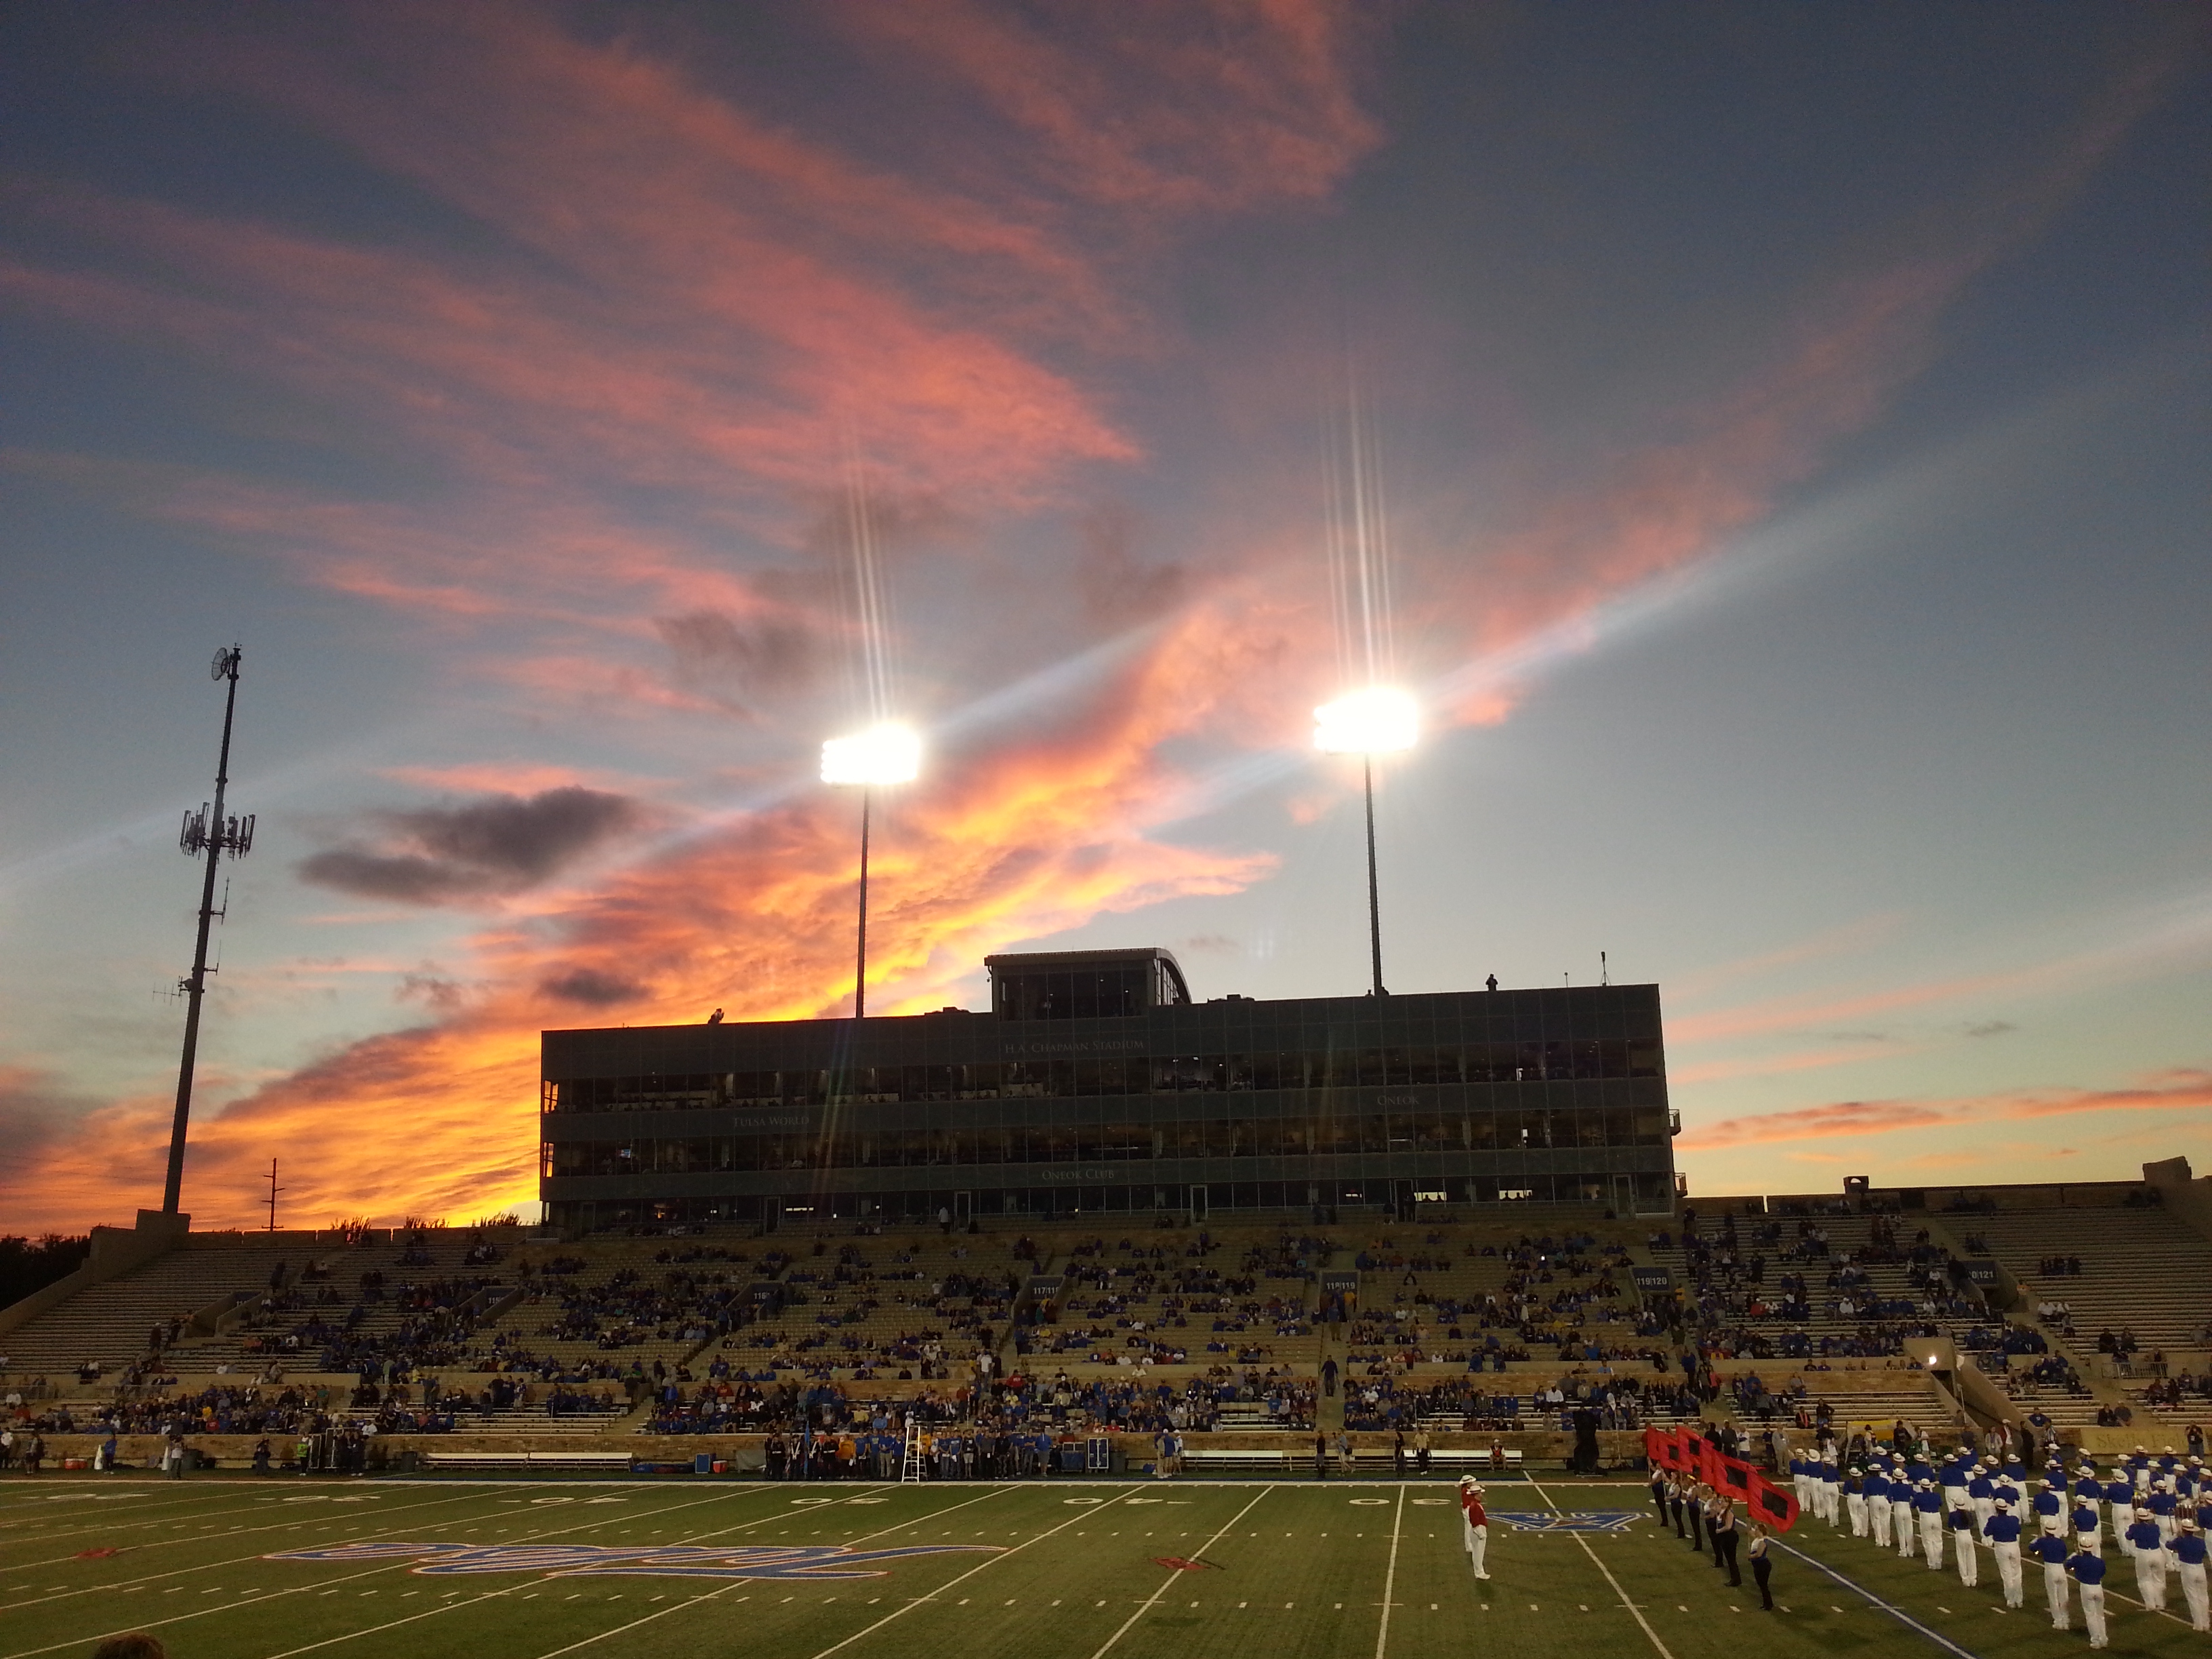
1782	434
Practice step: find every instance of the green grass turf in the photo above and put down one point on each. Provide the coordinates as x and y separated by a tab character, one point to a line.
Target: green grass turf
1295	1569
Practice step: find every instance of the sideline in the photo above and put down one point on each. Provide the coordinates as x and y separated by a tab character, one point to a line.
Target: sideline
1634	1612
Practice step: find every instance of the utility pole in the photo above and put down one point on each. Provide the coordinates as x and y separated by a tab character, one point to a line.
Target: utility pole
214	834
273	1190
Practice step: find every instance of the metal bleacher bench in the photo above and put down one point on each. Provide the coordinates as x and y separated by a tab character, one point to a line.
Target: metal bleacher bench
1270	1463
1462	1460
1473	1460
527	1460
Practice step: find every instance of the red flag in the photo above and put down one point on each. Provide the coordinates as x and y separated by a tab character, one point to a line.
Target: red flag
1659	1449
1774	1505
1735	1476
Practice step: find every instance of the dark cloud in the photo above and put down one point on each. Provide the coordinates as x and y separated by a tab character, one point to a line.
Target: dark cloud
1220	943
591	987
35	1112
434	991
453	854
713	653
1990	1028
1119	588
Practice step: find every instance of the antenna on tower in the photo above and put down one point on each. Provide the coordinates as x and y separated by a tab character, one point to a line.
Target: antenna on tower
273	1190
209	832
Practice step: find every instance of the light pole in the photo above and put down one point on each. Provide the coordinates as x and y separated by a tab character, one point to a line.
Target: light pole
1379	720
214	834
885	754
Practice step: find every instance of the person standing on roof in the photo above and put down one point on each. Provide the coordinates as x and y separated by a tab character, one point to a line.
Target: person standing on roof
1474	1524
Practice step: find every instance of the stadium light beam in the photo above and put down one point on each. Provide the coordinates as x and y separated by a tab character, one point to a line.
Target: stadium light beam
1379	720
882	756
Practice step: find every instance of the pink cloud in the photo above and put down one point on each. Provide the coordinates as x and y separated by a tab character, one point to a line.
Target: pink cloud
2176	1091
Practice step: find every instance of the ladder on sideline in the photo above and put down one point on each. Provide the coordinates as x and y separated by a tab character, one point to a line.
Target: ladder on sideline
910	1459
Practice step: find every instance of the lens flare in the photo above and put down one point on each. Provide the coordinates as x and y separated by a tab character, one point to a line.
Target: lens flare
1379	720
889	753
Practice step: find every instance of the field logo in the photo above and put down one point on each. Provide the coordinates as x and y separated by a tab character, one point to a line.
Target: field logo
1568	1519
800	1562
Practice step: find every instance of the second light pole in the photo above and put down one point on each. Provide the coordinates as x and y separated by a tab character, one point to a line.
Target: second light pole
1379	720
882	754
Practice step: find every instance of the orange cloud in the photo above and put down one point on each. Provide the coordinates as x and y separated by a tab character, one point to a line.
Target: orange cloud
2177	1090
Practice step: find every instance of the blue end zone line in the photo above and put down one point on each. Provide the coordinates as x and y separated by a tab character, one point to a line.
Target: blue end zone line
1889	1607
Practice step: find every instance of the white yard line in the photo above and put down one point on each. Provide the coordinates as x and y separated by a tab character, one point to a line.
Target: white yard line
1390	1578
321	1584
1173	1575
290	1523
1634	1612
693	1601
1889	1607
506	1589
1085	1514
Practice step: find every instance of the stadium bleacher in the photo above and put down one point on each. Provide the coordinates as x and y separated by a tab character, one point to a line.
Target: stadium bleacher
1461	1327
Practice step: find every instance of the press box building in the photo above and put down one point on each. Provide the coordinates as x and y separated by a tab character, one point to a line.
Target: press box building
1095	1085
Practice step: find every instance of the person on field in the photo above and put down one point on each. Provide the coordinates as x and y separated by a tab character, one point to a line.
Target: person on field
1855	1501
1928	1510
1724	1541
1659	1485
2086	1568
1904	1518
1877	1505
1762	1565
1964	1554
1474	1524
2148	1549
1982	1493
1693	1505
2050	1550
1675	1489
2004	1533
2189	1553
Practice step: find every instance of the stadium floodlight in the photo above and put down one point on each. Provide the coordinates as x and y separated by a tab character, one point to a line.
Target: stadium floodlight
1379	720
883	755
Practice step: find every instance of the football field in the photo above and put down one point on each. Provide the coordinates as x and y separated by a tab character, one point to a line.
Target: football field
244	1569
